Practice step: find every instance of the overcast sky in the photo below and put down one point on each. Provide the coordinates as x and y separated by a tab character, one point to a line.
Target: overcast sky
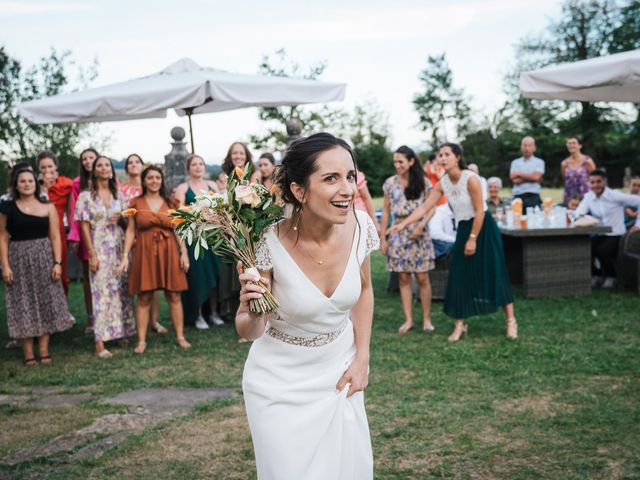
377	47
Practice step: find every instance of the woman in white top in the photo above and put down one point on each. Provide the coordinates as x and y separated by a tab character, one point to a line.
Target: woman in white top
478	281
304	378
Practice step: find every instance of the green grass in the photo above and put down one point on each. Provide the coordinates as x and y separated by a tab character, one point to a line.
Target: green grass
559	403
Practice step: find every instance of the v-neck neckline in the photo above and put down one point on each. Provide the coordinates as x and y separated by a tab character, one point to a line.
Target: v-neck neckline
149	206
306	277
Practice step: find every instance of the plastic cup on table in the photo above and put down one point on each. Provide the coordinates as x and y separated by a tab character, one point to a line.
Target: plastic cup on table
523	222
548	204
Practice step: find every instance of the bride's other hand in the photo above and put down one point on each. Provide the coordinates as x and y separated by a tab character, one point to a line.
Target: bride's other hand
357	376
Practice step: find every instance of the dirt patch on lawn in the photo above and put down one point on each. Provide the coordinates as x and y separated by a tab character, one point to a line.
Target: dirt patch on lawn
541	406
215	444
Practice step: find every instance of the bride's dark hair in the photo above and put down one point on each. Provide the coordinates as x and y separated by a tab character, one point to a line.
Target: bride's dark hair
299	163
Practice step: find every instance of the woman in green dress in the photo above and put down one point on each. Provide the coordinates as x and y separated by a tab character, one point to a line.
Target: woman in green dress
204	272
478	281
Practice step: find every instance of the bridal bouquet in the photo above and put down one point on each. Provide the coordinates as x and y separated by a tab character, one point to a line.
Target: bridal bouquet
230	224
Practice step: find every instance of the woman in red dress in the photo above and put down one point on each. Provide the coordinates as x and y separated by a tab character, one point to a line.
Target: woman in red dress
58	189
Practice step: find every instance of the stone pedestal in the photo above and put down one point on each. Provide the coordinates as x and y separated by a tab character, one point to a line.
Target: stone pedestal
294	129
175	162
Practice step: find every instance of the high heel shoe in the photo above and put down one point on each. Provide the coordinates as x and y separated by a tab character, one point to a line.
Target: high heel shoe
458	332
512	328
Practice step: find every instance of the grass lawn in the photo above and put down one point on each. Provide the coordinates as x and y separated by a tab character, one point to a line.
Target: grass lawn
562	402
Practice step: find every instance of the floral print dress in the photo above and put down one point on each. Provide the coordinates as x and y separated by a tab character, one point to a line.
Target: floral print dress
405	254
112	306
576	181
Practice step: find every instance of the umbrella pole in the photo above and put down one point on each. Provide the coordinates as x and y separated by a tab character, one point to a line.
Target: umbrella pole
189	111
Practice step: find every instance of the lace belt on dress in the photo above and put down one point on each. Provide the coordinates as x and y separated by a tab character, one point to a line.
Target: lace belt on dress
317	341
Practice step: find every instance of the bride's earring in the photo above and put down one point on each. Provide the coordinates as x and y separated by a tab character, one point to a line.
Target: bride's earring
298	213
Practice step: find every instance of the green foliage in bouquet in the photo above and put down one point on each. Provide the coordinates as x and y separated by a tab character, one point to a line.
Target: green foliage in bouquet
230	224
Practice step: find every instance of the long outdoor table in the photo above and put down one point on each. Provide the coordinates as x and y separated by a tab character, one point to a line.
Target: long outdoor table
550	261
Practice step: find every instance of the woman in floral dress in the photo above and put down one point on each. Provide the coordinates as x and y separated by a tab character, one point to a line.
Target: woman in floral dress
575	170
99	211
409	251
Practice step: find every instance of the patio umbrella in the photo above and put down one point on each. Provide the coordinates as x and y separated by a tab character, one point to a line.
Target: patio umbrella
183	86
611	78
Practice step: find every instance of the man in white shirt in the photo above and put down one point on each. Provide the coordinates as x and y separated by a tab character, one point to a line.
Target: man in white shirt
442	230
608	206
526	174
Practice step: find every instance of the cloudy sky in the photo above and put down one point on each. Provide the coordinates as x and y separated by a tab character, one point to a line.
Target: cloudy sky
377	47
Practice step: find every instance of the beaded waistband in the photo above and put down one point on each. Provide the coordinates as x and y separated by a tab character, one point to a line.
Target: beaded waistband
317	341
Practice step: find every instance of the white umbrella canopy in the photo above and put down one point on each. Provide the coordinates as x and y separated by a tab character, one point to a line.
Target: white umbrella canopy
183	86
611	78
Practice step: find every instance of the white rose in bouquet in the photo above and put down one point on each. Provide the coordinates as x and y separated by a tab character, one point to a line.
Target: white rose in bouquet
247	195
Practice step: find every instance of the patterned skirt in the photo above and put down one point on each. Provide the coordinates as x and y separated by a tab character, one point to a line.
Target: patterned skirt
36	304
478	284
407	255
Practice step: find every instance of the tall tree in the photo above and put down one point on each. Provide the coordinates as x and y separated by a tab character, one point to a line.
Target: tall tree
20	140
313	119
585	29
366	127
443	109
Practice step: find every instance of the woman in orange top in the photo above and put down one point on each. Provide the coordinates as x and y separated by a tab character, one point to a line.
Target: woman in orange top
58	189
158	261
434	169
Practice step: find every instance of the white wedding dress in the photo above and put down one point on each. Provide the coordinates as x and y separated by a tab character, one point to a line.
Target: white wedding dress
302	429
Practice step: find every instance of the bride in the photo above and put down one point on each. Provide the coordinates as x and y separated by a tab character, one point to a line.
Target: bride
304	377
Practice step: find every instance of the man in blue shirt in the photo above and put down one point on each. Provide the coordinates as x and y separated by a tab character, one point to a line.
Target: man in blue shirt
526	174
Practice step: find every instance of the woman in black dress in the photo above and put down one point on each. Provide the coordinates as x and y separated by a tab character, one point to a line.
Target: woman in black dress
31	255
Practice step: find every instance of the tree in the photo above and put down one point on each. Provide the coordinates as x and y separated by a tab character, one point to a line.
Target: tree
443	110
313	119
367	129
20	140
584	29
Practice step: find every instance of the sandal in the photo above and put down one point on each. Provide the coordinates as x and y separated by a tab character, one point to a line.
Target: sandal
428	327
183	343
46	360
156	327
140	348
104	354
30	362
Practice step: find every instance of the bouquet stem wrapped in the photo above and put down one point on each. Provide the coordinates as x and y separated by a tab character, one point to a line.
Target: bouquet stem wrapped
230	224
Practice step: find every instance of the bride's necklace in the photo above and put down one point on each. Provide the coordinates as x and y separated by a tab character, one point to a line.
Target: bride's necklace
319	262
306	252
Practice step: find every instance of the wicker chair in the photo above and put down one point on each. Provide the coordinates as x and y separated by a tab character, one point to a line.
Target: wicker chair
629	261
438	277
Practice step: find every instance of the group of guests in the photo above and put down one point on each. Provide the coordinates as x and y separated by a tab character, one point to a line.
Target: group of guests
447	197
123	257
412	251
